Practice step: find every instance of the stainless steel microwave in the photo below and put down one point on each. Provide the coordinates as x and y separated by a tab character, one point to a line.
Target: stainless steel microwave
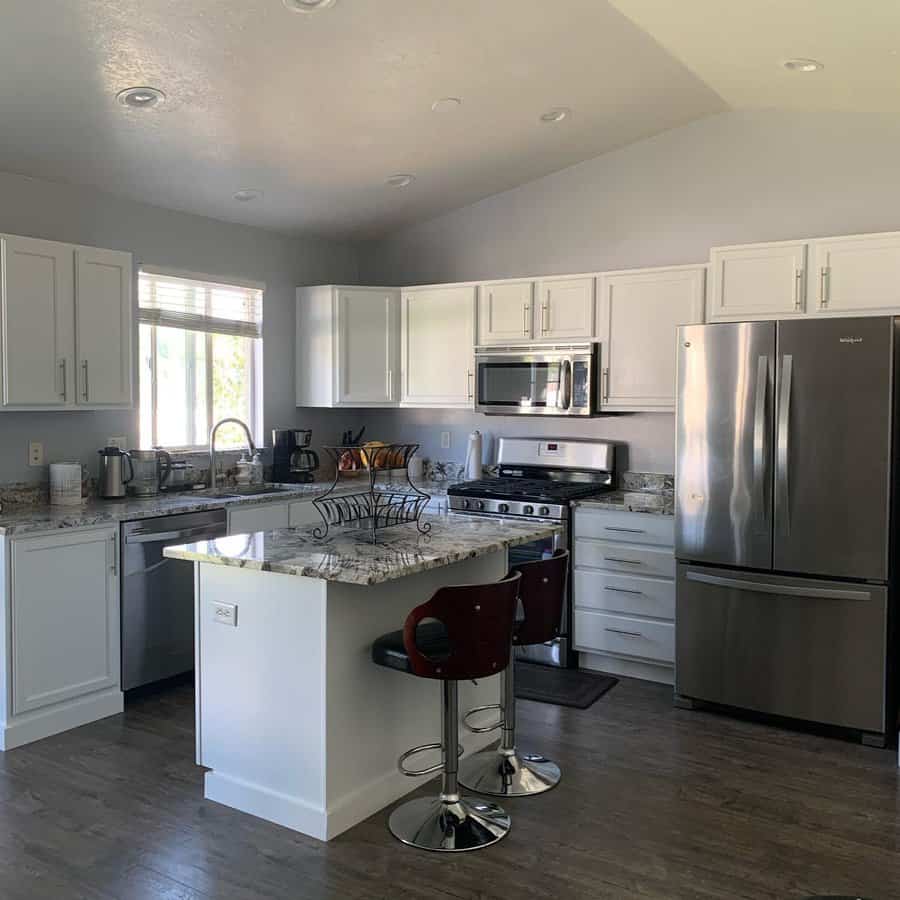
553	380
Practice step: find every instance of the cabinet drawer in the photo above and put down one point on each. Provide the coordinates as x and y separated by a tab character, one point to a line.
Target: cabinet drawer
624	594
606	633
633	528
614	557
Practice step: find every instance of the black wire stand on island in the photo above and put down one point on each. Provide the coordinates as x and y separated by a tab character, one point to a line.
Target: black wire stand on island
371	507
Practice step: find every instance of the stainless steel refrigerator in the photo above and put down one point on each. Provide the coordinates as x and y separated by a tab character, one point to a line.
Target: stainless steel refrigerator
785	474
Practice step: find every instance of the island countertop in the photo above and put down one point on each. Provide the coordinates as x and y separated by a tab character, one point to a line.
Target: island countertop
349	557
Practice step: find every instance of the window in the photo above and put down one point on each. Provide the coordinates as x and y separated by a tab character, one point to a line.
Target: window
201	360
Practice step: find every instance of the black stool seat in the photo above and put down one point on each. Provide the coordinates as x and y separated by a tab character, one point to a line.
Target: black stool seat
431	639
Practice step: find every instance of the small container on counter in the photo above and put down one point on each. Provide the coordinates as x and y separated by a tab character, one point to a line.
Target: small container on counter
65	484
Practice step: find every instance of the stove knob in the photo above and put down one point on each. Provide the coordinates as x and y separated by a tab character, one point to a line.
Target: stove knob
544	511
503	507
528	510
465	504
479	504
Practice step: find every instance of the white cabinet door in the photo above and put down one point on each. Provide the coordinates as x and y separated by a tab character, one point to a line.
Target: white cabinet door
639	312
65	617
437	340
565	309
368	347
856	275
38	322
103	327
262	517
504	312
758	281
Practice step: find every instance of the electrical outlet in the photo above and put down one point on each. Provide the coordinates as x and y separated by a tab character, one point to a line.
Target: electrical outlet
224	613
445	440
118	440
35	453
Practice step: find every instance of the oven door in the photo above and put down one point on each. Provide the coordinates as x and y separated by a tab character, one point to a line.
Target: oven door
557	652
548	382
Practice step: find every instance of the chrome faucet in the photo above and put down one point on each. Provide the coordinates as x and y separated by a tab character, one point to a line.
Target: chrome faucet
213	475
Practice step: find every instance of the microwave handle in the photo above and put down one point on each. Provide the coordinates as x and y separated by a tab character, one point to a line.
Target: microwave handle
564	400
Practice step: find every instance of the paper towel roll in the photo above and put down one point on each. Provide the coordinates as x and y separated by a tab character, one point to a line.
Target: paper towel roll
473	456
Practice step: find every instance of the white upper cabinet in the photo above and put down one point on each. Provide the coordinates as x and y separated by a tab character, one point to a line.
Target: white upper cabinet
639	311
438	330
38	321
855	275
368	347
103	339
758	281
505	312
564	310
66	325
348	346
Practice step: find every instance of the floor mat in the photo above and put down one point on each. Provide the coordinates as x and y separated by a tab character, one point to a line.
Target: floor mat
563	687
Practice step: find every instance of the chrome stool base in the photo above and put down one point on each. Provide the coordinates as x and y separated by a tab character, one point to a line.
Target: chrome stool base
508	774
430	823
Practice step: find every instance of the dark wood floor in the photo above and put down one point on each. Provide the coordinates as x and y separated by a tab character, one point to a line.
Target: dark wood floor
655	802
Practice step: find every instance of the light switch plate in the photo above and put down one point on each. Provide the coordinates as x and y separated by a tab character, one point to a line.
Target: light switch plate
35	453
224	613
445	439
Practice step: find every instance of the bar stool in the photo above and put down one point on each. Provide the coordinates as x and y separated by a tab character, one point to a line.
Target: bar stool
505	772
469	639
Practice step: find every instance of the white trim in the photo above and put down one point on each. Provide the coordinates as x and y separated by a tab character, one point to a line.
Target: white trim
221	280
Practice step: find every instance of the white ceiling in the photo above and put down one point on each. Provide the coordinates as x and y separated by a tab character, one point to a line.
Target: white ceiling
737	47
317	110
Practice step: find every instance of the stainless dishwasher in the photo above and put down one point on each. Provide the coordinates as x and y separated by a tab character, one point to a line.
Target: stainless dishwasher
157	595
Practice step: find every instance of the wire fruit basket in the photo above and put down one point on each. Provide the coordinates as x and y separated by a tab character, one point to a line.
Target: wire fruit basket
373	506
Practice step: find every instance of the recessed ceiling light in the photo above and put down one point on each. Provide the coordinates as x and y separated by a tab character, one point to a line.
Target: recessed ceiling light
557	114
247	194
803	65
140	97
446	104
400	180
308	6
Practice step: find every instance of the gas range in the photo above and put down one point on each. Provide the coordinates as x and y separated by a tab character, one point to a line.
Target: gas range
539	477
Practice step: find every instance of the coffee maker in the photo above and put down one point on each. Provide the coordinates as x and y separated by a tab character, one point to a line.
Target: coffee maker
292	460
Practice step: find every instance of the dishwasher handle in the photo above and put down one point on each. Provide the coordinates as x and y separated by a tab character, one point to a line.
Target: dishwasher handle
156	537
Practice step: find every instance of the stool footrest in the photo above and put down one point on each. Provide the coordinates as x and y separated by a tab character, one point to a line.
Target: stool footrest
422	748
483	729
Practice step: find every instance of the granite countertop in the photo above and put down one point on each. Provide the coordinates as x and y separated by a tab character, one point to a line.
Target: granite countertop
349	557
632	501
26	518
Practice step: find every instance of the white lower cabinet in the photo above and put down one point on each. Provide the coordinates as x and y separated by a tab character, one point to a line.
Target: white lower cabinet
63	613
623	592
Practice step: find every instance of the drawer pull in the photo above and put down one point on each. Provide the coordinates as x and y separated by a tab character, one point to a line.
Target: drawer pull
624	633
619	590
618	559
626	530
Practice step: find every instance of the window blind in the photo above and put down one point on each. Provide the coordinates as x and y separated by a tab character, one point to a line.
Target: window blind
197	305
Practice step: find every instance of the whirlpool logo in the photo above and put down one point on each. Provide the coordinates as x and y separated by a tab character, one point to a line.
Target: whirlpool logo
850	340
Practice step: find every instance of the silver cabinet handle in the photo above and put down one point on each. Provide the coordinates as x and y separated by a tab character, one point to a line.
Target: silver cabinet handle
798	282
84	370
824	274
624	633
390	384
626	530
785	590
544	317
525	319
469	384
114	565
618	559
782	445
759	436
604	385
618	590
172	537
62	374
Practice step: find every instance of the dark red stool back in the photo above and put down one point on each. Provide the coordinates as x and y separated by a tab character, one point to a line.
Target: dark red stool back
542	593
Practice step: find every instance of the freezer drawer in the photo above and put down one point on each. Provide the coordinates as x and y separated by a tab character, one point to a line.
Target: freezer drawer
795	647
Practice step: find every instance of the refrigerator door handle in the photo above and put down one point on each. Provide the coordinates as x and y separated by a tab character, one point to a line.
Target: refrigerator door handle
784	590
759	436
782	480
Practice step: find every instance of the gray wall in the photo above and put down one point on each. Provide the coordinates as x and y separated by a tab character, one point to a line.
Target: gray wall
161	237
731	178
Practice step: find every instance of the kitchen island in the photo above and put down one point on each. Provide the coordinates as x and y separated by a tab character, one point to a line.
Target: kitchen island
294	721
